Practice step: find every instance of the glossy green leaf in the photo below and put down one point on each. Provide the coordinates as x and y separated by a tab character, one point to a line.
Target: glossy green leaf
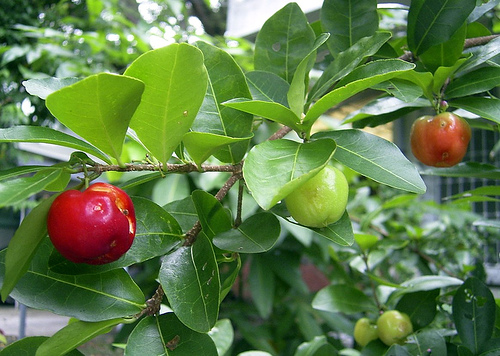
166	335
348	22
99	109
226	81
214	218
24	244
190	278
157	233
44	86
184	212
16	190
230	271
170	188
267	86
317	346
94	297
22	170
403	90
28	346
343	298
273	169
442	75
466	169
223	335
491	347
268	110
47	135
176	83
201	145
398	350
447	53
256	234
420	306
474	313
75	334
481	54
262	285
488	108
346	61
360	79
432	22
425	283
296	93
424	80
384	105
368	155
427	340
283	41
475	82
339	232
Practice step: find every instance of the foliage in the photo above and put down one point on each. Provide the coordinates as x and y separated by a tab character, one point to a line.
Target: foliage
184	125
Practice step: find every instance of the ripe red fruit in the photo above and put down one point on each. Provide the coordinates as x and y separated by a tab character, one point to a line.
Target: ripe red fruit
440	141
96	226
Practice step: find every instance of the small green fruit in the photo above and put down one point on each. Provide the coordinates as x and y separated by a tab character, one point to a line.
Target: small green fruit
321	200
365	331
394	327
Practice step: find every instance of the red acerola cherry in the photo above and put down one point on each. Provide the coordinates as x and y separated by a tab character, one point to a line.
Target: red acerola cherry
96	226
440	141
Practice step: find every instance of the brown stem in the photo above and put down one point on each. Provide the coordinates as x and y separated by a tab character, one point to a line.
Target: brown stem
237	220
153	304
478	41
170	167
280	133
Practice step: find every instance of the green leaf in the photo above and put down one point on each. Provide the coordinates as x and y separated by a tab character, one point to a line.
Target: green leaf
190	278
474	313
262	285
75	334
425	283
201	145
346	61
319	346
22	170
267	86
442	74
339	232
475	82
24	244
465	169
214	218
166	335
256	234
432	22
343	298
157	233
28	346
99	109
421	307
367	154
229	276
491	347
348	22
273	169
488	108
225	81
360	79
223	335
16	190
296	93
176	83
283	41
404	90
47	135
481	54
45	86
427	340
184	212
268	110
447	53
384	106
94	297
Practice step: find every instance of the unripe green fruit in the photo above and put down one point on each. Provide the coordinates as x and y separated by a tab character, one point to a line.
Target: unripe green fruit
393	327
365	331
320	201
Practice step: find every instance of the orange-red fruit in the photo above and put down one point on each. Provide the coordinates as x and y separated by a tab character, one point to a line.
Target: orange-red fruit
96	226
441	140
